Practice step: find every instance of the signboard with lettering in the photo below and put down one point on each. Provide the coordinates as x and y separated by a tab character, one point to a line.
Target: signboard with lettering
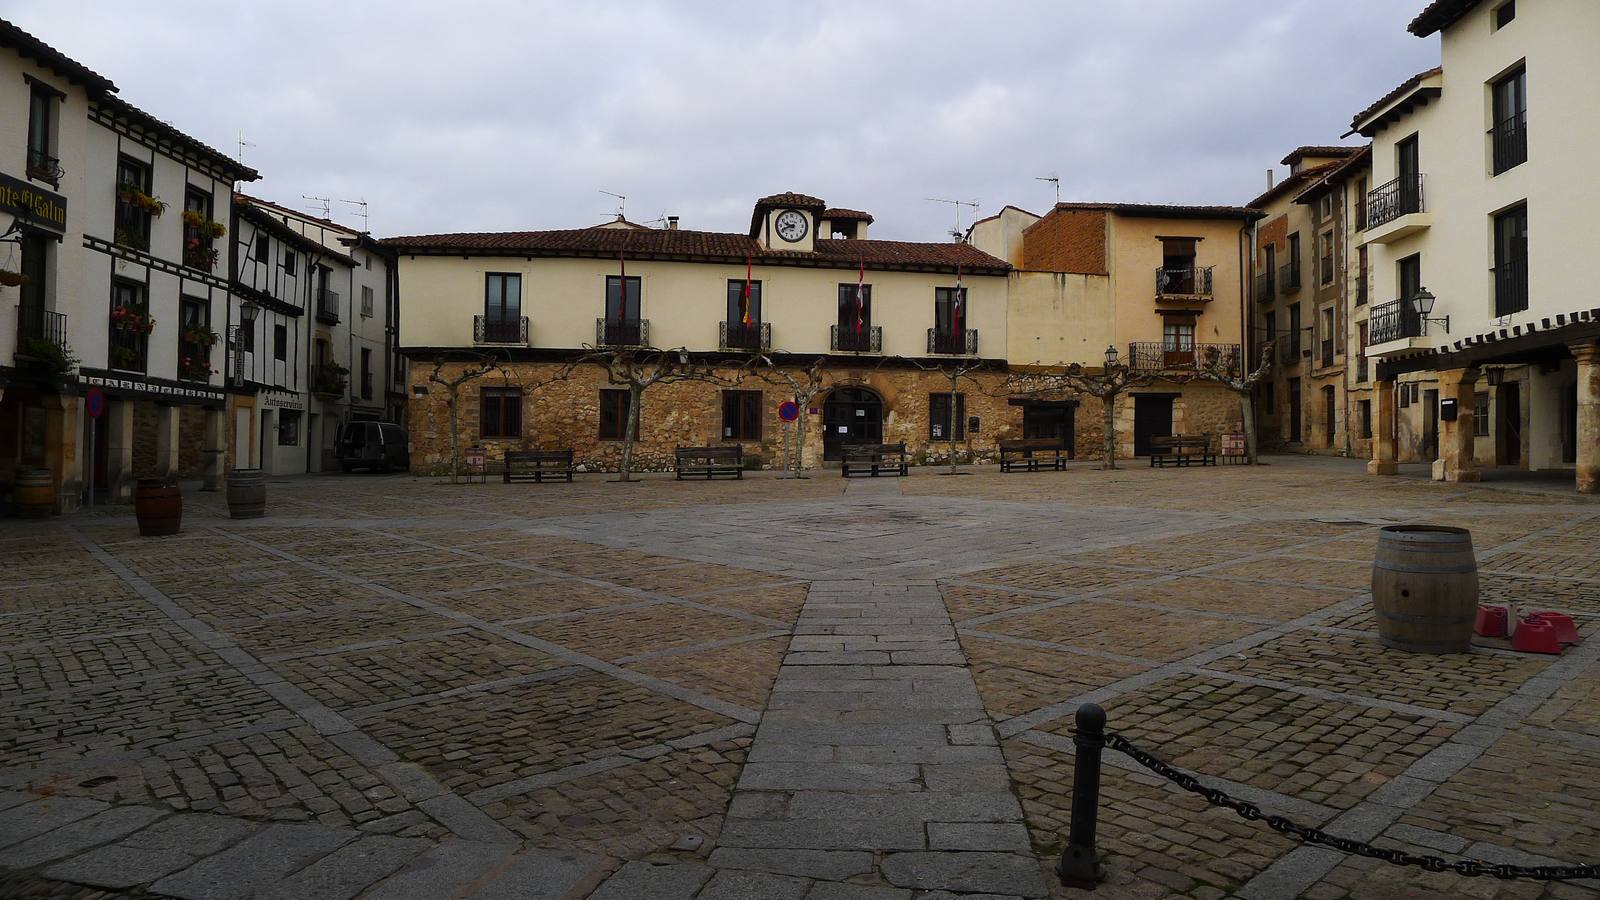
1233	443
32	204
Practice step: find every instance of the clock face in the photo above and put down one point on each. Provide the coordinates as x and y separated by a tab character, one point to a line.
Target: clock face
791	225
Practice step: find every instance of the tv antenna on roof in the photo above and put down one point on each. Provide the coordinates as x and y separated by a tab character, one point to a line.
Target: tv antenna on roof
243	144
622	205
320	201
956	232
362	204
1053	180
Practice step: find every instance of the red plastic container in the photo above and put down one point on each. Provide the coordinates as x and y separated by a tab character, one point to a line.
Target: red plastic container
1535	636
1491	621
1566	629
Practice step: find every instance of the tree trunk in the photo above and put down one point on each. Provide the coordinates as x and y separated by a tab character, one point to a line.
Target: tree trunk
1109	404
455	438
1247	414
799	436
630	431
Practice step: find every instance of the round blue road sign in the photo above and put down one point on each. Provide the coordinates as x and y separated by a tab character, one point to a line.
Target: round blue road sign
94	403
788	411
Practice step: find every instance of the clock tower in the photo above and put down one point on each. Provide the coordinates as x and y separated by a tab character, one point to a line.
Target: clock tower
787	221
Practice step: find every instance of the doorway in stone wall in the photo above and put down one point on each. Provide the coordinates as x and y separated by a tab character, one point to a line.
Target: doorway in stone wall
850	415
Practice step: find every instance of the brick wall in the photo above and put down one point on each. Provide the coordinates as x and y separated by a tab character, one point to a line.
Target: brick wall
1067	241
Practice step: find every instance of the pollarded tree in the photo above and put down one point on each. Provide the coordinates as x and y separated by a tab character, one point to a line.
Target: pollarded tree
1107	384
474	367
954	370
1225	366
804	385
637	369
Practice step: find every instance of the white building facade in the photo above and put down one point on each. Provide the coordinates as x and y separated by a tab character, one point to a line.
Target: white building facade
1482	327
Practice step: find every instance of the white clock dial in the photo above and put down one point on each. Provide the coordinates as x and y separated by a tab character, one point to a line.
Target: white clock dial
791	225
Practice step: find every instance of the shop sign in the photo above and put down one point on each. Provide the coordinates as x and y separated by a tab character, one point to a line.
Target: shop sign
32	204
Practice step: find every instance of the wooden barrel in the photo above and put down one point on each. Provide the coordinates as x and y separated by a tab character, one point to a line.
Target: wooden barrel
35	492
158	506
1425	588
247	494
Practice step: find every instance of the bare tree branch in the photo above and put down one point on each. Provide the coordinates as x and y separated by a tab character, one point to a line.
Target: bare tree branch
1228	370
638	369
1106	384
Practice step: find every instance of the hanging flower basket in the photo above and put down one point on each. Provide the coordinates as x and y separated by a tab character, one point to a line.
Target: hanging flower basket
152	206
12	279
136	319
198	336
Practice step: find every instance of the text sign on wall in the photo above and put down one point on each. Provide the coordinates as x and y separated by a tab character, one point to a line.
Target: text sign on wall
32	204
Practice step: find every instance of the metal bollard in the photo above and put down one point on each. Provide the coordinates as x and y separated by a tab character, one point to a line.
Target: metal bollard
1078	866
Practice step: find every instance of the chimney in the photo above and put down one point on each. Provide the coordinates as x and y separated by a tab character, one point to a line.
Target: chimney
672	223
1269	179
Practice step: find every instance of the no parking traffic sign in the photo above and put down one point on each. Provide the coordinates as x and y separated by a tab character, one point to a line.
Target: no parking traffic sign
94	403
788	411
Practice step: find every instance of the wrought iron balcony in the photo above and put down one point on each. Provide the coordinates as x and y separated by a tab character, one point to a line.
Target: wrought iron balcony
755	337
128	349
1266	286
1289	279
1163	356
868	339
1183	281
44	167
1510	287
1289	351
1399	197
498	330
953	343
1510	140
327	307
1393	321
622	332
41	334
1327	352
329	379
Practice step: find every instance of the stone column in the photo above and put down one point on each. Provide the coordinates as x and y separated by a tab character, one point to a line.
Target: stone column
1588	357
61	451
119	451
215	452
1383	455
1456	442
167	439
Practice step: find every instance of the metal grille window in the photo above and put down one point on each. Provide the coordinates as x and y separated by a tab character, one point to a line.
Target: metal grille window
1326	258
623	305
741	415
1480	414
132	225
500	412
614	415
1511	261
1509	134
855	316
947	417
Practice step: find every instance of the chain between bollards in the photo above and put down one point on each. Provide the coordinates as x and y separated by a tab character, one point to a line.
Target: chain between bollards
1079	865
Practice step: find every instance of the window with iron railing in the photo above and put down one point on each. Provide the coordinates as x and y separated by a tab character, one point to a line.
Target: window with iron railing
1509	135
1511	261
1397	198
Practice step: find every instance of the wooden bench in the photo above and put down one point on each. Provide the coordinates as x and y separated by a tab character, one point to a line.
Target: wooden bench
1033	455
537	465
874	460
709	462
1181	450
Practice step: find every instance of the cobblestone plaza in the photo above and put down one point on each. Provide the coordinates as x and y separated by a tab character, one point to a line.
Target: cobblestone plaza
815	689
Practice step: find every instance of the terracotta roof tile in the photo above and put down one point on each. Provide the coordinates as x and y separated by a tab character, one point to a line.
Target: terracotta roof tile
1438	15
790	198
30	47
1405	87
1166	210
709	246
840	214
1335	151
121	109
1360	160
272	223
1293	182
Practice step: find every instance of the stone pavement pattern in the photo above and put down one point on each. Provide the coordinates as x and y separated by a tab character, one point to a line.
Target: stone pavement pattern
772	688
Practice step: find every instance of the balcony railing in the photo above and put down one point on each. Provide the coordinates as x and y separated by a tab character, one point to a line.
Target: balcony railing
1265	286
1399	197
622	332
1289	279
868	339
1361	369
755	337
329	379
1510	287
41	333
1327	352
499	330
44	167
1186	281
1289	351
328	307
1162	356
1393	321
128	350
1510	140
953	343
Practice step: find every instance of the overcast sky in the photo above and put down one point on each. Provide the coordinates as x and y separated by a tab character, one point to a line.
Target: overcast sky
482	116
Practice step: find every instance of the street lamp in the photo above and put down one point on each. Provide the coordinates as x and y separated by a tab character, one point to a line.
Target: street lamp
1111	355
1423	300
248	310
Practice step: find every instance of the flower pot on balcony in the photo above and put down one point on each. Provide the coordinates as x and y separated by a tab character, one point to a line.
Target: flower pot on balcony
158	507
35	493
247	494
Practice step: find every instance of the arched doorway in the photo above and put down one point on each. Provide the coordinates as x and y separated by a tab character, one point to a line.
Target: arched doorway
851	415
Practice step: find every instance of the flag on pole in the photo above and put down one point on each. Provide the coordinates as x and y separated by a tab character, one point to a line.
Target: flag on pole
955	305
622	288
744	299
861	297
